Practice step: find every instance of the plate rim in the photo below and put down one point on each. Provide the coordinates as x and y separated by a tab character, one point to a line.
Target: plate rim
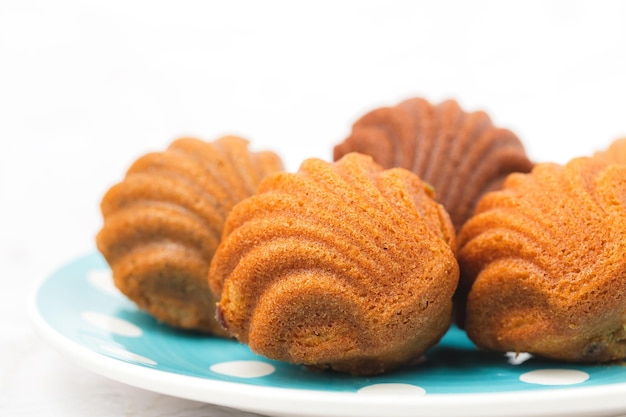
281	401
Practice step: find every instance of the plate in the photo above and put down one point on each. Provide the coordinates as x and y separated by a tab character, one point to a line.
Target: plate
79	312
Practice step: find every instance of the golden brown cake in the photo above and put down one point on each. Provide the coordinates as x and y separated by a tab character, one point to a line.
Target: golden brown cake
163	222
462	155
342	266
615	153
545	259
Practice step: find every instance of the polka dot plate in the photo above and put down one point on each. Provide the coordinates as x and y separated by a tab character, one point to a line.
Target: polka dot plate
80	313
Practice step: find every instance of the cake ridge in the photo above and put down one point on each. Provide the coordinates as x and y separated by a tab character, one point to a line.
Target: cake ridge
344	182
334	187
244	163
279	249
143	189
474	124
448	118
185	154
133	226
247	237
490	176
420	114
179	166
216	161
393	133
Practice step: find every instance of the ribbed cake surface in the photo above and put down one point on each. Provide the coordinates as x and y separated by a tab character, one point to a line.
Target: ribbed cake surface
462	155
163	221
544	258
341	266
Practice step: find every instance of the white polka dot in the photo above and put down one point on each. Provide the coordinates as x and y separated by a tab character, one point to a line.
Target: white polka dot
554	377
103	281
392	388
122	353
112	324
244	369
517	358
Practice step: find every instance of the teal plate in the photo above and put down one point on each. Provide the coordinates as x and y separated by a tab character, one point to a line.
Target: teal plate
80	313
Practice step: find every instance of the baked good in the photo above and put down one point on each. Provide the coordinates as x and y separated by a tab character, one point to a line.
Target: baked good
163	221
462	155
544	258
615	153
341	266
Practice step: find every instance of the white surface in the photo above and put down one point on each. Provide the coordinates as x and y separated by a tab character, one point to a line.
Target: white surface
87	86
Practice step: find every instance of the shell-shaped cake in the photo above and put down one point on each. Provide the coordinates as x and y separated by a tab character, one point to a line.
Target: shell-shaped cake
462	155
341	266
163	222
615	153
544	258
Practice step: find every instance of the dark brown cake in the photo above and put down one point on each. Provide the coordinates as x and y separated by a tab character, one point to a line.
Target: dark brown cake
462	155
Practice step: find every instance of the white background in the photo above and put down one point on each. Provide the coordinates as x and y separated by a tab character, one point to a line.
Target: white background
88	86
